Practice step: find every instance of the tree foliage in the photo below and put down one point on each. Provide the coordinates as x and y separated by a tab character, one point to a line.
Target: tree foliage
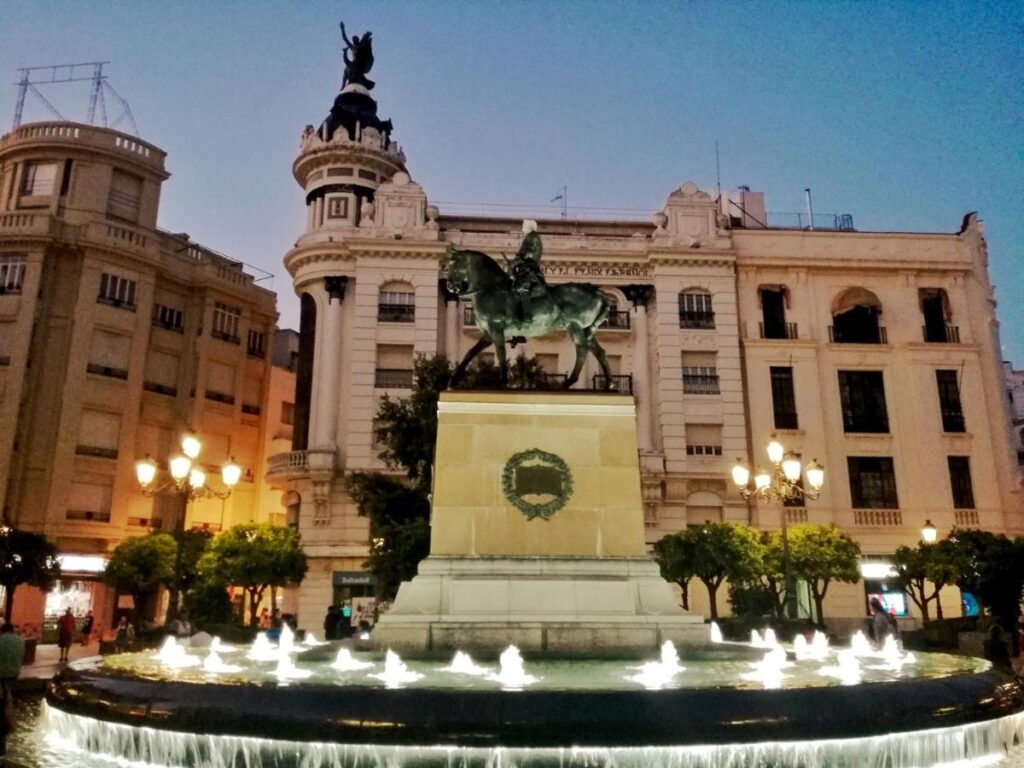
764	593
712	553
399	511
918	566
26	558
675	558
140	564
821	554
991	567
255	556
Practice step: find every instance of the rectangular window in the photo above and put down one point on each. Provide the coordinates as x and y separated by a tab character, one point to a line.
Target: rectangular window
117	291
773	314
396	307
337	207
125	196
39	178
960	482
287	413
783	398
863	398
256	344
695	311
12	273
949	402
168	317
225	323
700	373
872	482
703	439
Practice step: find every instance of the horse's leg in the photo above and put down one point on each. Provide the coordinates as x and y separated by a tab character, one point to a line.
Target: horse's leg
579	338
475	350
602	358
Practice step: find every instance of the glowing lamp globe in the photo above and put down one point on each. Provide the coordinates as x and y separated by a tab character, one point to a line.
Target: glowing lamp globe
180	465
815	474
791	467
231	473
191	446
929	533
197	478
775	451
762	479
740	474
145	471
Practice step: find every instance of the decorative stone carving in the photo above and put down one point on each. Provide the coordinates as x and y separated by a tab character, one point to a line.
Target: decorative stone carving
432	214
660	219
706	486
693	219
366	214
639	295
335	287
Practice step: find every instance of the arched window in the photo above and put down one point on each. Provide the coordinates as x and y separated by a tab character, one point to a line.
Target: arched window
396	303
855	314
695	309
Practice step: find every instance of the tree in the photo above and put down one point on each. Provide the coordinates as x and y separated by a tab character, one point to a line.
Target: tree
255	556
674	555
140	564
765	592
916	566
26	558
821	554
713	553
991	567
399	510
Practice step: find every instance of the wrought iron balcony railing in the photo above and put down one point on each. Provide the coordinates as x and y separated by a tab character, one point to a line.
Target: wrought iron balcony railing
619	383
393	378
700	384
861	336
947	334
396	313
777	330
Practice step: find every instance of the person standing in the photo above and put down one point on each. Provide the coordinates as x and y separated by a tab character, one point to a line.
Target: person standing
12	653
880	626
87	627
331	623
124	635
65	634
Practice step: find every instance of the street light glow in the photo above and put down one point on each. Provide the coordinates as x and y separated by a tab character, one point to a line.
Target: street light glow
775	451
740	474
929	533
180	465
191	446
791	467
815	474
196	478
762	479
145	471
231	473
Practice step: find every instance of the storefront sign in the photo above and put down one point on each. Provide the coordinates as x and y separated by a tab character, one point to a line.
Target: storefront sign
352	578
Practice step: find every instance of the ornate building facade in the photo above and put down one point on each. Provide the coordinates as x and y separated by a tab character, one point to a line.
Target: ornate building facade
875	353
117	337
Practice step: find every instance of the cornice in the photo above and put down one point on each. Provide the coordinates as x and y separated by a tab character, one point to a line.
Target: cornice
350	251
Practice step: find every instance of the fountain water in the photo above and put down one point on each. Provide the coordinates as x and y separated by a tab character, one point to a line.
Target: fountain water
262	649
511	672
346	662
846	669
655	675
213	664
716	633
174	656
463	664
768	671
396	673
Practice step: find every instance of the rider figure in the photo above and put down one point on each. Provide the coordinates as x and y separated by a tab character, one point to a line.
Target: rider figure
527	278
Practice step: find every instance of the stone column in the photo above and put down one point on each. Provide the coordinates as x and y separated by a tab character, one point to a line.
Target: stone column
452	321
325	420
640	295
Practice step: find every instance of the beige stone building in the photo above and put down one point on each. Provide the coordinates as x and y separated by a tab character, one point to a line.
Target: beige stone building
115	338
875	353
1015	393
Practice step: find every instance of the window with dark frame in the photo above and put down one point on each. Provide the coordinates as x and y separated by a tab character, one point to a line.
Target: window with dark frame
783	398
168	317
872	482
39	178
117	291
862	394
695	311
949	401
337	207
12	272
225	322
773	314
960	482
256	343
396	307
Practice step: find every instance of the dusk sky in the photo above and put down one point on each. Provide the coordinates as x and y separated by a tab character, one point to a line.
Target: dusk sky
905	115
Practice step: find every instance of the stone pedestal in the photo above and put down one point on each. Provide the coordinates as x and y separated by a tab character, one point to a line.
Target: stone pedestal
537	533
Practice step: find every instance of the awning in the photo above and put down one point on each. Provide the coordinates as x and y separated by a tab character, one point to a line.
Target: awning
852	298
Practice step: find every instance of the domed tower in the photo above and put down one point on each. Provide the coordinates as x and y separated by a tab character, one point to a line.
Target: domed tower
343	162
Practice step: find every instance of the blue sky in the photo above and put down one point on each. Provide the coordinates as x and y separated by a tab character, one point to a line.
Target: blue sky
905	115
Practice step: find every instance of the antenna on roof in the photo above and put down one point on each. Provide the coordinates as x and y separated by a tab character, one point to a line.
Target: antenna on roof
718	170
564	197
72	73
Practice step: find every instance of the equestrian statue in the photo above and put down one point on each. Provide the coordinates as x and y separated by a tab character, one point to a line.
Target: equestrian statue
519	304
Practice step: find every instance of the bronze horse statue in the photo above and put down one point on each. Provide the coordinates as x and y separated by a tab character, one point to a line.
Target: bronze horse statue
578	308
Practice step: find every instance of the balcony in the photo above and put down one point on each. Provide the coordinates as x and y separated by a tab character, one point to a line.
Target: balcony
286	466
160	389
618	320
396	313
795	515
862	336
117	303
622	383
966	517
220	397
777	331
946	334
393	378
700	384
225	336
878	518
106	370
704	321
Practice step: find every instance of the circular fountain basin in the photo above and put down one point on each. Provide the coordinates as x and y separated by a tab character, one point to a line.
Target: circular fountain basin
570	704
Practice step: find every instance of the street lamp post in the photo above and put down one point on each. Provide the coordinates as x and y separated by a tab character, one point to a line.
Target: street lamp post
780	484
188	482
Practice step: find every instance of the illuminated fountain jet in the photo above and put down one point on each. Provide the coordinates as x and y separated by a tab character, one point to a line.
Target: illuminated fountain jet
214	665
860	645
655	675
893	658
286	669
816	650
174	656
216	646
768	671
346	662
716	633
511	673
263	650
846	668
463	664
310	640
396	672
